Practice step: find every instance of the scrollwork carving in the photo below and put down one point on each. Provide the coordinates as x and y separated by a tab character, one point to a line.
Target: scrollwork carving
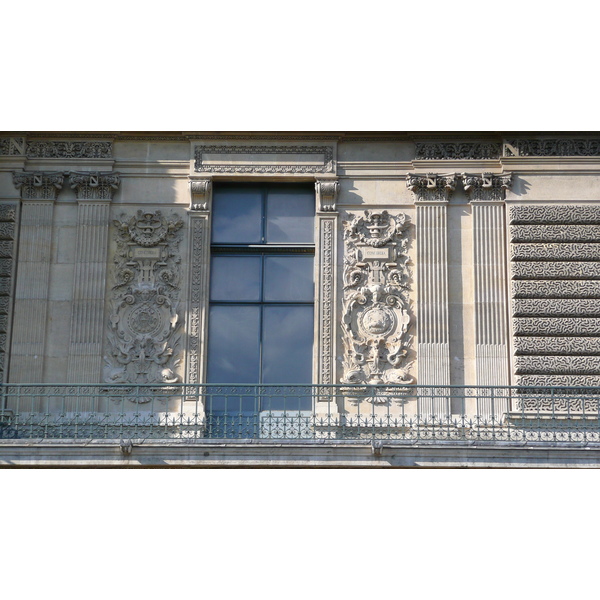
486	187
94	185
145	325
327	191
40	185
376	319
431	187
457	150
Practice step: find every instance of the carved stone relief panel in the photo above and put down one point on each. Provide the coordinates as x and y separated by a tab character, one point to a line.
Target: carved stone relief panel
145	323
8	222
376	315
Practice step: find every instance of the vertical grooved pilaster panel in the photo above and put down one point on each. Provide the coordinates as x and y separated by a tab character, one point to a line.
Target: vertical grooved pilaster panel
31	292
490	297
87	313
432	288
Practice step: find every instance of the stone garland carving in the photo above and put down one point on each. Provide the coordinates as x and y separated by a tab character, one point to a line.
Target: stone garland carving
552	326
552	365
560	307
558	251
552	233
67	149
556	270
94	185
554	215
38	185
326	167
375	319
12	146
145	326
552	147
556	289
541	346
486	187
431	187
457	150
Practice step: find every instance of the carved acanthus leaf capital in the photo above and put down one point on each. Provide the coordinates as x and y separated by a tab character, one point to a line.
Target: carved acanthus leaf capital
38	185
431	187
201	191
94	185
487	186
327	192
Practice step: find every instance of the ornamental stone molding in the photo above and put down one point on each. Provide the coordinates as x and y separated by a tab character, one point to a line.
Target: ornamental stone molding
486	187
68	149
552	147
457	150
327	191
264	159
39	185
431	187
201	192
94	185
144	336
375	307
8	233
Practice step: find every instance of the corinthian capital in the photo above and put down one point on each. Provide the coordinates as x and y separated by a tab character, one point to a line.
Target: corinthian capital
38	185
431	187
487	186
327	191
94	186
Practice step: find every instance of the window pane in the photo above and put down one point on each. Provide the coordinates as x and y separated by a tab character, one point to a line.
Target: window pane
237	216
235	278
287	344
289	279
290	217
233	344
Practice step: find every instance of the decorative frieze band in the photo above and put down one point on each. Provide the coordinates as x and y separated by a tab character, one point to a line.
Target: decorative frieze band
555	251
457	150
554	215
431	187
540	326
556	270
552	147
553	365
68	149
281	159
12	146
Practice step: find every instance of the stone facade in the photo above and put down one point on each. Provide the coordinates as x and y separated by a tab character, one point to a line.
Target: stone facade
438	260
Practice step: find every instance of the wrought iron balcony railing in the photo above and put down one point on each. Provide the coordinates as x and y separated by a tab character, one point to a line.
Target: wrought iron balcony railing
300	412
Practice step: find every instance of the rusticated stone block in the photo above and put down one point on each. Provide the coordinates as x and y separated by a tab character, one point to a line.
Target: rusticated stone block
556	289
559	380
554	215
8	212
552	233
556	326
5	286
7	230
4	304
3	323
556	345
546	252
5	267
550	365
555	270
560	307
6	248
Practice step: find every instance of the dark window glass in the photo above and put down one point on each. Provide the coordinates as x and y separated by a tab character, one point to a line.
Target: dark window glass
235	278
237	216
290	217
288	278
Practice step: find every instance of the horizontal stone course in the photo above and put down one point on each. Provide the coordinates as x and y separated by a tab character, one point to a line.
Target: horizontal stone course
556	251
560	307
554	215
568	365
555	289
556	326
541	345
555	270
552	233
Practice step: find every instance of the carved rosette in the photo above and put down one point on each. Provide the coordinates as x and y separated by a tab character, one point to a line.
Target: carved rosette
431	187
376	319
94	186
38	185
486	187
145	325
